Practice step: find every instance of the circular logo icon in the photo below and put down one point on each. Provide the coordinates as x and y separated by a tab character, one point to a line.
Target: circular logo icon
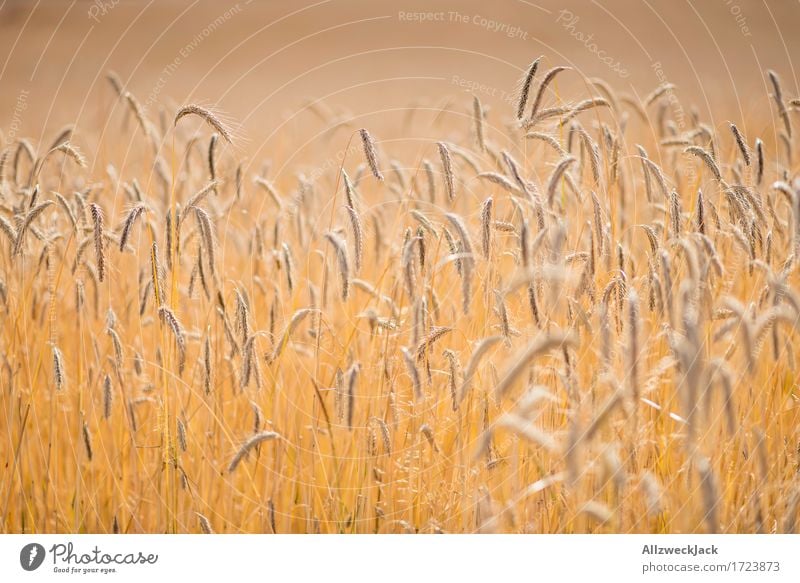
31	556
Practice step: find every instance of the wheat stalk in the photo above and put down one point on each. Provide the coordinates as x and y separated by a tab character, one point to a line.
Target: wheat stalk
447	169
248	445
525	88
522	361
168	317
370	153
206	115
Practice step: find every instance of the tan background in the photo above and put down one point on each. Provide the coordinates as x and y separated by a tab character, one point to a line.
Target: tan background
266	57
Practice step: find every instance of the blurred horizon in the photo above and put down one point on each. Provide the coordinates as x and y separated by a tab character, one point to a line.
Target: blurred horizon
259	61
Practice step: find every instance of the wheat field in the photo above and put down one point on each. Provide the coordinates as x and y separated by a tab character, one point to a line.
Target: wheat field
573	310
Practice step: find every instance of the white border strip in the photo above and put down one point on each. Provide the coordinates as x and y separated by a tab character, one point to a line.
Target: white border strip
402	558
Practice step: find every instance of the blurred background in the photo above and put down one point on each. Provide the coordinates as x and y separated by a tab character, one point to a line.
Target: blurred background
259	61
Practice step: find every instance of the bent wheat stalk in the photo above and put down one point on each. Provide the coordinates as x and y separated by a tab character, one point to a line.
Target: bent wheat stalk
248	445
523	360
